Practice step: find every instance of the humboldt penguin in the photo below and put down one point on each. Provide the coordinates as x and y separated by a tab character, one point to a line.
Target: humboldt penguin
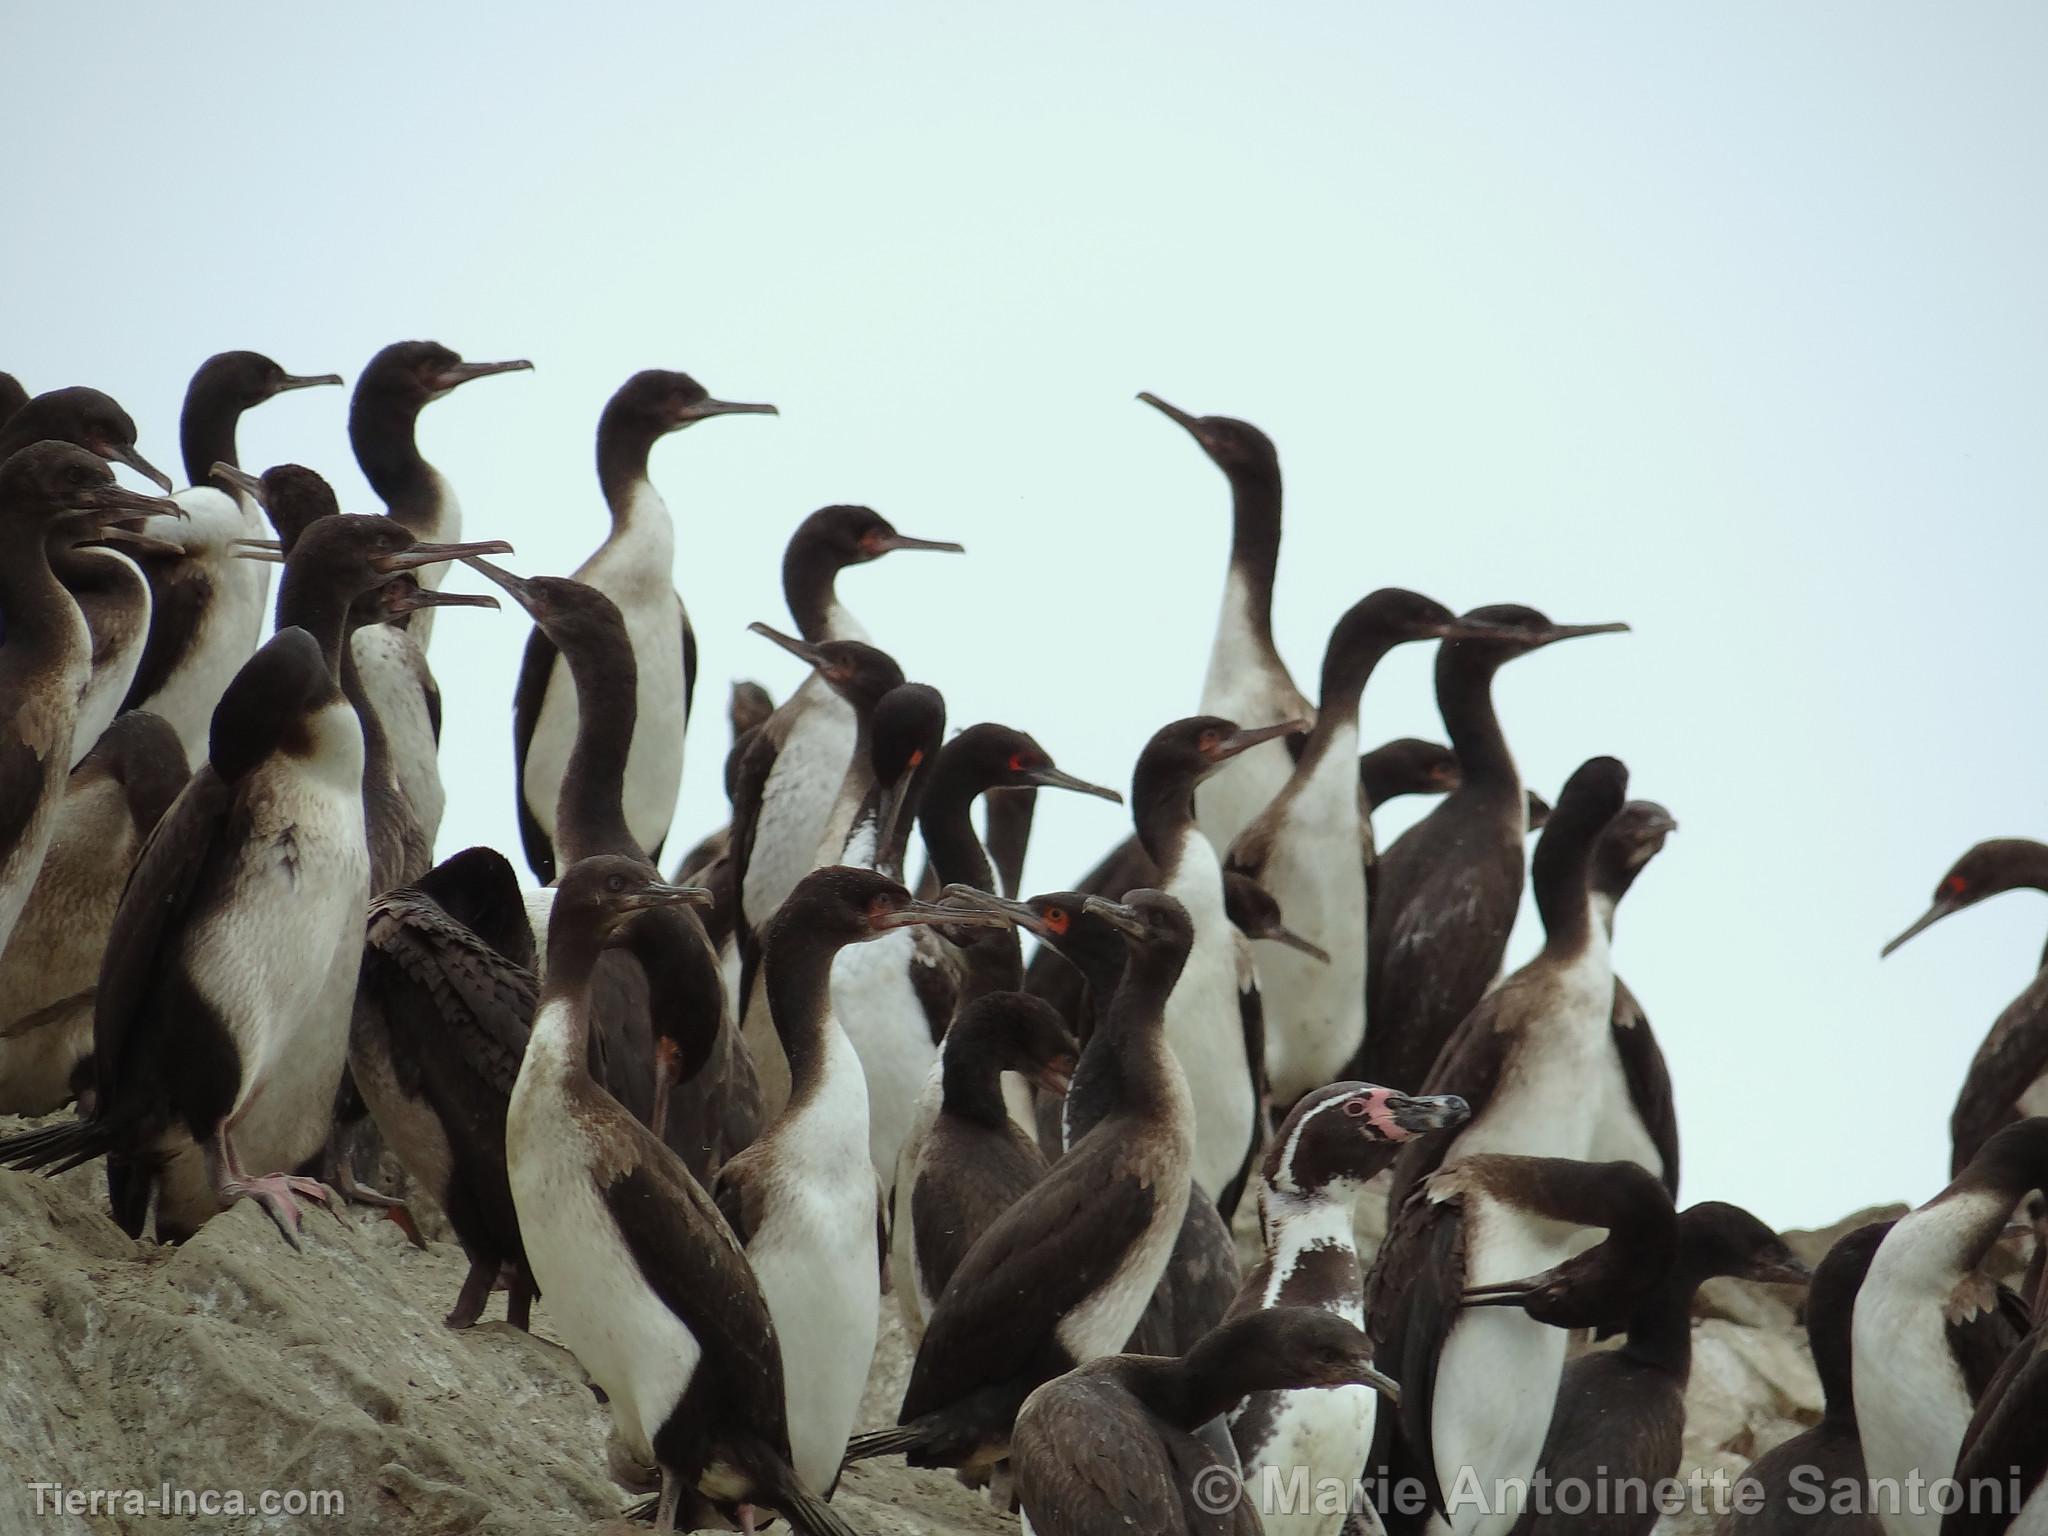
112	801
1114	1446
1469	1302
1931	1328
1620	1417
1448	888
668	1048
2008	1077
643	1278
971	1161
383	419
1204	1018
799	754
803	1198
1333	1143
634	567
53	496
1300	848
1814	1483
1246	679
1540	1060
209	607
221	1020
1066	1271
445	1004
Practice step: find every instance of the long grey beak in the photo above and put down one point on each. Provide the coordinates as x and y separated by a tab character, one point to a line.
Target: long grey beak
462	373
658	894
1926	920
1050	777
927	913
895	541
249	485
1281	934
1372	1376
522	594
803	650
1191	423
126	453
437	554
704	409
1120	917
306	380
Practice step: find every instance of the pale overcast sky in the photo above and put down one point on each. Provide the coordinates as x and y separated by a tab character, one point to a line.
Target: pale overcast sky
1725	320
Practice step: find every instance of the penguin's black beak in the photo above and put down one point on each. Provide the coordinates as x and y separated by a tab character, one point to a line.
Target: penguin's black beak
1045	776
462	373
305	381
658	893
436	554
1244	740
914	914
705	409
1419	1114
249	485
129	454
1126	920
1944	906
802	650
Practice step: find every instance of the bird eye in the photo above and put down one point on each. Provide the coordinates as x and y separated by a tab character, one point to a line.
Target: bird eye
1955	885
1209	741
1356	1108
1056	919
615	883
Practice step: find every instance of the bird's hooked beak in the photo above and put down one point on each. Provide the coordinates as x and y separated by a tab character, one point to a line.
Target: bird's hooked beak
1944	906
1280	933
306	381
895	798
249	485
267	551
522	592
802	650
137	542
886	543
1551	634
1126	920
1193	424
705	409
129	454
1778	1269
916	913
1016	912
1243	741
461	373
1045	776
659	893
107	504
1366	1374
405	596
436	554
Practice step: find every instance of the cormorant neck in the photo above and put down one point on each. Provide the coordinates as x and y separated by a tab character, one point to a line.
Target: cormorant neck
809	579
1163	810
970	1079
1255	542
206	432
1464	697
1135	1024
590	809
1562	900
381	428
950	842
798	971
624	441
1660	1332
319	610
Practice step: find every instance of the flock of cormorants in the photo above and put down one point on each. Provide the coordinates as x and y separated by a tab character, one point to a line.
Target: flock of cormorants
706	1121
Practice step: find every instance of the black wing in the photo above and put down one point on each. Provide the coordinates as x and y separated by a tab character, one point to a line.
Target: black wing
690	1259
970	1176
179	591
2014	1054
1413	1299
689	662
1043	1256
1649	1082
730	1191
1087	1459
752	760
2005	1438
535	669
485	1002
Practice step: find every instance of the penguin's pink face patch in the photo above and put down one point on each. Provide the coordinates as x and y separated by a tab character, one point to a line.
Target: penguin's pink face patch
1376	1110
